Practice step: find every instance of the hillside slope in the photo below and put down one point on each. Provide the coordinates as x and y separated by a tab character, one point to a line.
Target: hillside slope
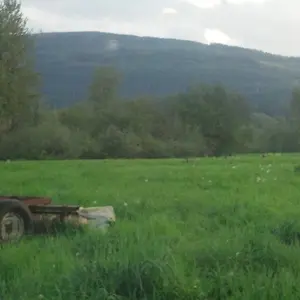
152	66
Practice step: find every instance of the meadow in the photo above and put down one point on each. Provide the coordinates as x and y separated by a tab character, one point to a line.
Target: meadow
207	229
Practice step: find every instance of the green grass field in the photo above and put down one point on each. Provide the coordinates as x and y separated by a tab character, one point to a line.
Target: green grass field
207	229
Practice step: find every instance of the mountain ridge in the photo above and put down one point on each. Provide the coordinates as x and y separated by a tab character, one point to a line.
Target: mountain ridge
161	67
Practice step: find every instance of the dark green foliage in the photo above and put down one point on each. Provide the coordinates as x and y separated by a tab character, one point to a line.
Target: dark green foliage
18	81
202	120
160	67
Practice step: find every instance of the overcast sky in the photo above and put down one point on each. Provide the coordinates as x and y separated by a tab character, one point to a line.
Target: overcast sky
269	25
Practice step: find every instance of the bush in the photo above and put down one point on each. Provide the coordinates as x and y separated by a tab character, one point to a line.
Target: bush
47	140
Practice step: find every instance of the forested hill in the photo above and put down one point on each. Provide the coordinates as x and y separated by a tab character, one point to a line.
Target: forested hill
158	67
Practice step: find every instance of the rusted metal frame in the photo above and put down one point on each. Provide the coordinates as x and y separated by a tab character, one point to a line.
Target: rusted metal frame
28	200
41	205
53	209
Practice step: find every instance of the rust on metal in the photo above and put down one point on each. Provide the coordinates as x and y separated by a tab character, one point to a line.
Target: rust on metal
29	200
44	215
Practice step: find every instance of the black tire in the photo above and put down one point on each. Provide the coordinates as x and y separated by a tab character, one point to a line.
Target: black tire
19	209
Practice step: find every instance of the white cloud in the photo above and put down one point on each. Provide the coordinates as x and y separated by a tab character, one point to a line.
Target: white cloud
269	25
205	4
169	11
39	19
213	36
241	2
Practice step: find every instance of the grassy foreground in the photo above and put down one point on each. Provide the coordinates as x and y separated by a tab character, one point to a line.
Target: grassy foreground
207	229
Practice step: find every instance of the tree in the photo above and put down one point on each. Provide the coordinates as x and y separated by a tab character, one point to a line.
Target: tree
104	86
102	99
295	117
295	107
18	81
217	112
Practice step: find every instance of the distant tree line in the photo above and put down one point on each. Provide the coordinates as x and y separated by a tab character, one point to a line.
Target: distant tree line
203	121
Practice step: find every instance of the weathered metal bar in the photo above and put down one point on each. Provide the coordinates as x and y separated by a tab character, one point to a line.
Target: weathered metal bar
53	209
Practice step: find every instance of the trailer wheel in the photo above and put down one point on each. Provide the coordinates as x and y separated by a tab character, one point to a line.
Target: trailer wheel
15	220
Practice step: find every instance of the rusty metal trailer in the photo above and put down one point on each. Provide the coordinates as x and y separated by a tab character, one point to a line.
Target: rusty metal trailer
19	214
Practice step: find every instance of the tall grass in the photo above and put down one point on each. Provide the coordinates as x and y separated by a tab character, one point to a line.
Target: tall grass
207	229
